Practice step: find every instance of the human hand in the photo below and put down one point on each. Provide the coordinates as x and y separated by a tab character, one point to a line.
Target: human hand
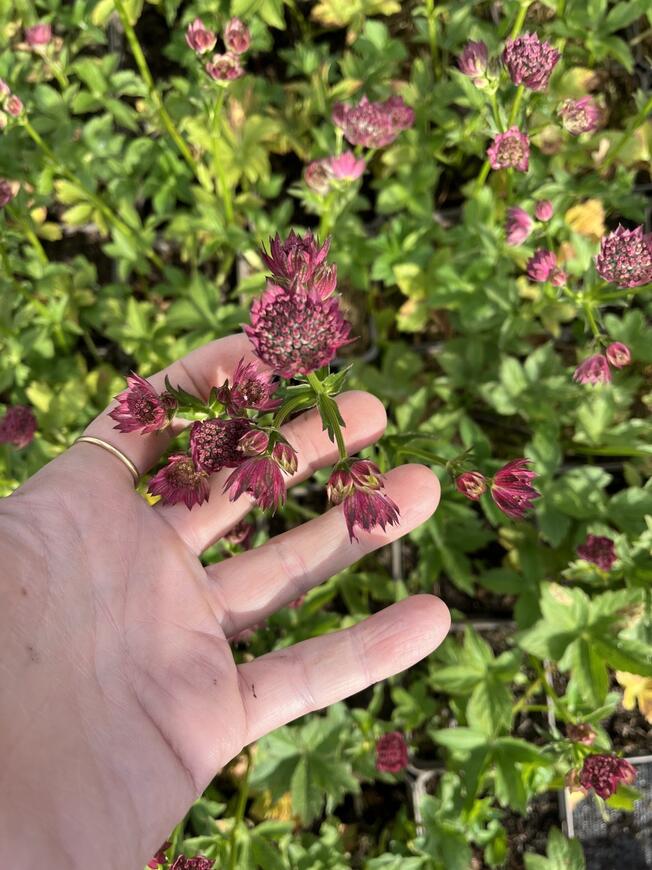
121	698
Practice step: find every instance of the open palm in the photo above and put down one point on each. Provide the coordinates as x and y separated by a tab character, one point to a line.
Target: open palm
121	698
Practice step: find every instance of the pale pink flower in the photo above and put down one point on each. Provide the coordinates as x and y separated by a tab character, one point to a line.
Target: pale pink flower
38	35
8	190
625	257
580	116
473	60
373	124
510	149
472	484
180	481
618	355
604	773
512	490
260	477
317	176
530	62
214	442
237	37
599	550
543	210
199	38
391	753
518	225
14	105
346	167
593	370
141	408
224	67
541	265
18	426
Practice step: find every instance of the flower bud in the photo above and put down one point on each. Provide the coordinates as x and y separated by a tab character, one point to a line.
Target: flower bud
237	37
543	210
199	38
471	484
286	456
39	35
473	61
14	106
253	443
618	354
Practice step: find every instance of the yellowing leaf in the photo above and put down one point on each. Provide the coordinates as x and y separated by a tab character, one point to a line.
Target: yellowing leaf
638	690
587	218
340	13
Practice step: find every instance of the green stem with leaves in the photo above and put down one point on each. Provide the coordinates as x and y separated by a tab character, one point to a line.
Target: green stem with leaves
243	793
633	124
326	409
496	112
431	13
516	105
30	235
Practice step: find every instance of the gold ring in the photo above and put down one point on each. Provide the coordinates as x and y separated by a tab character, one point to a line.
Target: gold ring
90	439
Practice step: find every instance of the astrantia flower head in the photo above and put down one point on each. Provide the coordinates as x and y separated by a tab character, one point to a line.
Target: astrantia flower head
518	226
543	210
224	67
357	485
391	753
180	481
580	116
512	490
199	38
593	370
618	355
38	35
599	550
530	62
140	408
8	190
473	61
14	105
262	478
472	484
541	265
347	166
299	259
625	257
18	426
510	149
373	124
214	442
604	773
159	858
250	388
253	443
317	176
237	37
286	456
581	732
196	863
296	332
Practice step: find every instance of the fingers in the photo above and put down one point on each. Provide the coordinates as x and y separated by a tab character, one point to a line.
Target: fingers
248	588
196	373
365	422
288	683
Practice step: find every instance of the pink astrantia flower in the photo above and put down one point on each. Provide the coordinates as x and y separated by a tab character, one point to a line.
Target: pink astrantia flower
604	773
253	443
38	35
625	257
473	61
346	167
599	550
593	370
357	487
512	490
301	262
541	265
472	484
580	116
159	858
14	105
530	62
199	862
225	67
199	37
373	124
140	408
296	332
237	37
214	443
518	226
250	388
618	355
581	732
510	149
8	190
286	456
261	477
18	426
543	210
180	481
317	176
391	753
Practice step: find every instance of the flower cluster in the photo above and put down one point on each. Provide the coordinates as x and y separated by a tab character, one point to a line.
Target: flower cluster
373	124
199	862
357	487
511	487
580	116
542	266
595	369
18	426
237	39
519	225
10	104
510	150
529	61
599	550
604	773
391	753
321	175
625	257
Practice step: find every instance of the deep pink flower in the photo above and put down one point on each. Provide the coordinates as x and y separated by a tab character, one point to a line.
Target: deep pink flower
618	355
286	456
214	443
140	408
253	443
580	116
199	38
357	487
373	124
593	370
38	34
261	477
472	484
180	481
510	149
530	62
346	167
317	176
225	67
473	61
541	265
241	534
296	332
512	490
301	262
196	863
14	106
581	732
251	388
604	773
18	426
518	226
543	210
391	753
159	858
599	550
8	190
625	257
236	36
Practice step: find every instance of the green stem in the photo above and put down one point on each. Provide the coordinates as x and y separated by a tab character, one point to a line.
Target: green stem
590	317
243	793
533	688
431	11
484	173
155	96
634	122
496	112
288	408
430	458
520	19
55	69
218	168
29	233
516	105
334	423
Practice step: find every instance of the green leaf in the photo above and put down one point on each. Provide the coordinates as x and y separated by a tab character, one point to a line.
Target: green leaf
490	707
624	654
459	739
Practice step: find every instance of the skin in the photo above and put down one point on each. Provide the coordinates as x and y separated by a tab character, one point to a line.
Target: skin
120	696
